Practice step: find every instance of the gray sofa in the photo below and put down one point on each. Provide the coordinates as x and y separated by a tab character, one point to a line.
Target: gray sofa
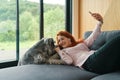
60	72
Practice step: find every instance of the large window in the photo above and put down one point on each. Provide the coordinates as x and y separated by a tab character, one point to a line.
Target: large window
22	22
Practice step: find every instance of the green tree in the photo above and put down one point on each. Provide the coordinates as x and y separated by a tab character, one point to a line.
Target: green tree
28	27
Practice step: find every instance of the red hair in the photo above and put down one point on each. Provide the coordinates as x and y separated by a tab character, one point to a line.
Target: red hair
68	35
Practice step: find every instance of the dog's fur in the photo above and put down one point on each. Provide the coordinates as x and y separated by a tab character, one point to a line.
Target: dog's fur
41	53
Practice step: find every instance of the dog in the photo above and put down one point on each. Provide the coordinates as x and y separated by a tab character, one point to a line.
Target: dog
41	53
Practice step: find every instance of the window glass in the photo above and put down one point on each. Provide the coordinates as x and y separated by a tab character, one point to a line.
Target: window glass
7	30
29	24
54	17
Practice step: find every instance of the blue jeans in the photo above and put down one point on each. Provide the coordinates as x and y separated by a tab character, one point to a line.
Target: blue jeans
106	59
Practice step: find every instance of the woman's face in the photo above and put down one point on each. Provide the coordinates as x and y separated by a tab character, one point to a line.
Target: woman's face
64	41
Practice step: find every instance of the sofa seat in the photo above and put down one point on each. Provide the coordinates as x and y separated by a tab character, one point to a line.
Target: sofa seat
109	76
45	72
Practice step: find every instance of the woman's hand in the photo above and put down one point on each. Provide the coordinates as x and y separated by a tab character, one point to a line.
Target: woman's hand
97	16
57	49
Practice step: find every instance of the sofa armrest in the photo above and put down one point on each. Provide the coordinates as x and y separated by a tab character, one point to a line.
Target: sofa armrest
45	72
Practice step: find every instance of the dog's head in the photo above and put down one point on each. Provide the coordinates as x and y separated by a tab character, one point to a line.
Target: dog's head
46	45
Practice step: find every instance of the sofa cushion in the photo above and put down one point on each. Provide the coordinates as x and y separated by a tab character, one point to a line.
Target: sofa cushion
109	76
45	72
102	38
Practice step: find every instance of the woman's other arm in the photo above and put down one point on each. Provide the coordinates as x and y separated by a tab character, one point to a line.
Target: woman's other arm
96	31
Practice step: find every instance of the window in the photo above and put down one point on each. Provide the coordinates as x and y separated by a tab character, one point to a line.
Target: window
24	22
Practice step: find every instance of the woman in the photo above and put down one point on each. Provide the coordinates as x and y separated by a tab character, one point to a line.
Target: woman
78	54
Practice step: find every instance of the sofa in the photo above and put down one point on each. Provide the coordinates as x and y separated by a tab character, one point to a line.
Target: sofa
61	72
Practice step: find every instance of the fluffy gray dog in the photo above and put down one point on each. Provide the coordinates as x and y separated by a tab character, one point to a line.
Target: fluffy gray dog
41	53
